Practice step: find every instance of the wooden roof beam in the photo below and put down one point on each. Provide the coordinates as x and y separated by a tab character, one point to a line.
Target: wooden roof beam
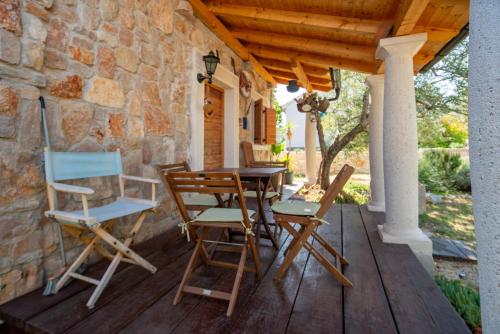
301	74
310	58
214	24
336	49
312	71
304	19
407	16
289	75
319	87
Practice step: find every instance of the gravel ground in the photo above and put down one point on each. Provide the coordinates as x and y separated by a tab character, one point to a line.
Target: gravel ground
457	270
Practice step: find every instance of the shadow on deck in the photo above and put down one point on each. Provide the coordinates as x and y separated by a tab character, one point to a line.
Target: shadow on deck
392	292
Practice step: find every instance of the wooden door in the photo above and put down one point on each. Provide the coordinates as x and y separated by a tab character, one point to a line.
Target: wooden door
270	126
214	127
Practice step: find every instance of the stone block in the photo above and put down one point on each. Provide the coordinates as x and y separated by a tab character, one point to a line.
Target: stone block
69	87
150	55
90	17
161	13
126	38
45	3
9	101
76	120
127	17
55	59
58	35
108	34
134	104
157	122
105	92
151	93
10	47
23	74
106	62
8	128
109	9
116	125
127	59
34	27
10	16
33	54
37	10
135	127
148	72
82	55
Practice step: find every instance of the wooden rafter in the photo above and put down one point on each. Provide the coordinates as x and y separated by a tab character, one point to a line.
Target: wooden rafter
301	74
289	75
322	88
312	71
209	19
310	58
407	16
336	49
305	19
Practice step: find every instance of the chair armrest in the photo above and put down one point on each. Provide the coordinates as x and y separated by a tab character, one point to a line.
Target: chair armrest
140	179
71	189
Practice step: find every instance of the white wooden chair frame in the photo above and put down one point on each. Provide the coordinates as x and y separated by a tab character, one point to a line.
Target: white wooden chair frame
76	223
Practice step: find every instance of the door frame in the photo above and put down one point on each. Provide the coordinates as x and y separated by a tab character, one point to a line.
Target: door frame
213	86
227	80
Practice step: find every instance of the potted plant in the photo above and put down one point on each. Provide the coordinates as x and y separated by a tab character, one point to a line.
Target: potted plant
288	158
289	172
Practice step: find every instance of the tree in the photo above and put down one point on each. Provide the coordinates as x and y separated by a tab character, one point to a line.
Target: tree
339	124
441	96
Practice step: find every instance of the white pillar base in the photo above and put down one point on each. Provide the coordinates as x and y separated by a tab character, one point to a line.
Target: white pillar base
375	207
418	242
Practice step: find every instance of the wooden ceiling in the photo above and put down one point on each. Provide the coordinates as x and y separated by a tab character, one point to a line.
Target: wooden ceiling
301	39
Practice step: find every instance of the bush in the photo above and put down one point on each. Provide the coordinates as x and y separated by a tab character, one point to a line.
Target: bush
354	193
442	172
464	299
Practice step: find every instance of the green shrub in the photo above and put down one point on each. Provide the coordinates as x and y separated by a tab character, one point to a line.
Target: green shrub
442	172
464	299
354	193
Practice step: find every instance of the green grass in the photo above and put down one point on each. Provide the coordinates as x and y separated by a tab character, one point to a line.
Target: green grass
353	193
464	298
451	219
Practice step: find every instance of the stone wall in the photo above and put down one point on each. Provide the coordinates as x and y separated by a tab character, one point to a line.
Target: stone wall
115	74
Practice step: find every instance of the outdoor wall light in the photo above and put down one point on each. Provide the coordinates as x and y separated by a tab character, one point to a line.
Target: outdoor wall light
211	60
292	86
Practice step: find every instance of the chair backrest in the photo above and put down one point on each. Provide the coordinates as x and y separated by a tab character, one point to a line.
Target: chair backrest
61	166
248	153
334	189
206	183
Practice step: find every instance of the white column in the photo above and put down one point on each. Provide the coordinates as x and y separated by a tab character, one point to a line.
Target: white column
375	132
400	147
310	148
484	134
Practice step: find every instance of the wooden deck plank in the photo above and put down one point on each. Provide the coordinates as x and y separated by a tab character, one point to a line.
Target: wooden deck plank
19	310
73	310
270	306
318	307
128	306
210	315
366	309
416	301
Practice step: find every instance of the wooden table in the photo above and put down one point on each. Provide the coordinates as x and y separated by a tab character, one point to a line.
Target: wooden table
262	176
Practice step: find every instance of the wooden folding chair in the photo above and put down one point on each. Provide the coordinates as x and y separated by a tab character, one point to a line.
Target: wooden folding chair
61	166
214	218
194	202
309	215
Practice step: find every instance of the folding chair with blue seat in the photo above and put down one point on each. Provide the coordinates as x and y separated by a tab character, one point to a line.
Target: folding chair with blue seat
308	216
62	166
214	218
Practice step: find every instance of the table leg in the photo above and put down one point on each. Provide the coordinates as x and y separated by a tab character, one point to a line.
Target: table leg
260	202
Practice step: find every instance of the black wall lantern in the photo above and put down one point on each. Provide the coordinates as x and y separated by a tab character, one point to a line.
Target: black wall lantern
211	60
292	86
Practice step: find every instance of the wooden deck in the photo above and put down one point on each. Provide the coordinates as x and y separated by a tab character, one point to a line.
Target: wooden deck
392	293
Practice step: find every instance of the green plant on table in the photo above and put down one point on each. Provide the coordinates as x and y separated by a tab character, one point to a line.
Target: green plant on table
277	149
464	298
